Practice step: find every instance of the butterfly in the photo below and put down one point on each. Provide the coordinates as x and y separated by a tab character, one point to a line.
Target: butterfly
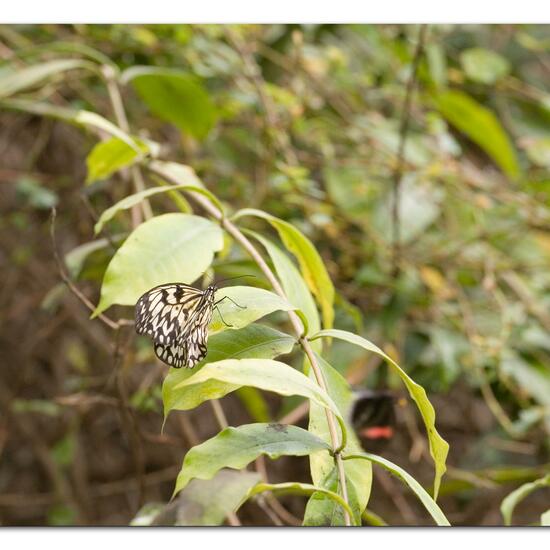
177	316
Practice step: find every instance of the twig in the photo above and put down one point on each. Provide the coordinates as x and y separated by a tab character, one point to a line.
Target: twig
236	233
400	161
72	287
122	120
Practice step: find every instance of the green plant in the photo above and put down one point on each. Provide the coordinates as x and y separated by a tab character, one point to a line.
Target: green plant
246	354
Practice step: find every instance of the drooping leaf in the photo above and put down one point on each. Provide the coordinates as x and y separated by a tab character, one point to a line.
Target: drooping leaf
175	97
237	447
222	377
481	125
515	497
439	448
83	118
110	156
292	282
430	504
254	341
159	251
17	80
311	265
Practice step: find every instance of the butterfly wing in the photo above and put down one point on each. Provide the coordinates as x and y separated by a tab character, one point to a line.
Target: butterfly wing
176	316
164	311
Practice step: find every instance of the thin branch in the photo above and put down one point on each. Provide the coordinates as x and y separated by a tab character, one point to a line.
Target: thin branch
72	287
122	120
400	161
236	233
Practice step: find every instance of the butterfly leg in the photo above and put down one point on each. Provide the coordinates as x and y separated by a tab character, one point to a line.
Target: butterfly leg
221	316
228	298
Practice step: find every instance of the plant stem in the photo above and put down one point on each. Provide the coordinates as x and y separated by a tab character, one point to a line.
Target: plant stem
400	161
236	233
122	120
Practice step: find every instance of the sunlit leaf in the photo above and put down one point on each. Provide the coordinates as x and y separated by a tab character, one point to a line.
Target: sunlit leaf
159	251
110	156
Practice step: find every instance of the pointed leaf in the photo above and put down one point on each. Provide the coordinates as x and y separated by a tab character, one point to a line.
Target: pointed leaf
237	447
311	265
430	504
439	448
293	284
218	379
481	126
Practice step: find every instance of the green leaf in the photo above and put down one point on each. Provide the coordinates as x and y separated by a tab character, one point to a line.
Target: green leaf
245	304
481	126
293	284
300	489
515	497
237	447
254	341
17	80
159	251
222	377
430	504
111	155
311	265
323	473
176	97
545	519
484	66
72	116
439	448
203	502
136	198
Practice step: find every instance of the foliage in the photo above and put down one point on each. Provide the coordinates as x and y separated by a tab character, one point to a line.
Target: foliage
279	151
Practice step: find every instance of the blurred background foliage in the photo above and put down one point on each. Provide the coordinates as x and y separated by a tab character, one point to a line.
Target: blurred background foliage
417	161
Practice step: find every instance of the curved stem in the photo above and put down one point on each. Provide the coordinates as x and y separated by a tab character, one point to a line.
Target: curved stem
236	233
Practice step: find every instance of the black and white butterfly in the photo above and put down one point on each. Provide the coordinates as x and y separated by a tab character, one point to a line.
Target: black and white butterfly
177	316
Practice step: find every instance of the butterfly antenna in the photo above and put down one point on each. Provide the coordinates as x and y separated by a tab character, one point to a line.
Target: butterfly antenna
238	277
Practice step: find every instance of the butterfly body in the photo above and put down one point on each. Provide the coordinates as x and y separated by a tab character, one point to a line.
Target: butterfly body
176	316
